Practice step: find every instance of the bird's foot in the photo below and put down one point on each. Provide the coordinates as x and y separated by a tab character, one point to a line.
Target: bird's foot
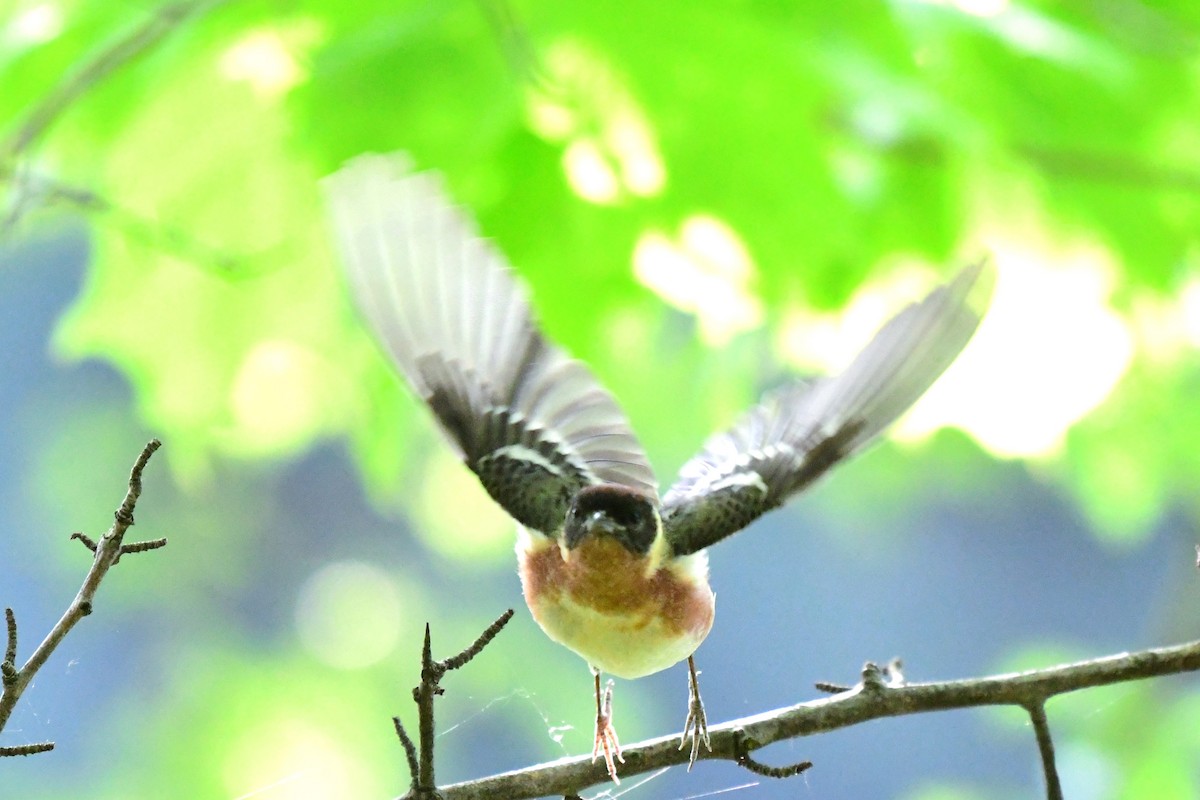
606	735
696	722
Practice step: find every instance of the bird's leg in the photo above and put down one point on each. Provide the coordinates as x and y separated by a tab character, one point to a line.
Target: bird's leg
606	736
696	722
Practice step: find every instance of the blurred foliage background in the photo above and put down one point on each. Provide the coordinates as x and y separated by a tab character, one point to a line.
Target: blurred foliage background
704	198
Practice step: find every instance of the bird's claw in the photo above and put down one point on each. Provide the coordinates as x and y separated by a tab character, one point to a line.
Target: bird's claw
697	721
606	736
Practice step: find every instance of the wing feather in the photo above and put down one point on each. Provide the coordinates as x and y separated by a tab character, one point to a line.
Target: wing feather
534	425
798	432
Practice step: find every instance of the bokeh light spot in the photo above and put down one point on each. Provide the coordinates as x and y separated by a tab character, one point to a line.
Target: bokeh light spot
290	758
825	343
349	614
264	60
1190	303
1049	351
629	137
38	23
278	396
590	175
707	272
609	147
982	8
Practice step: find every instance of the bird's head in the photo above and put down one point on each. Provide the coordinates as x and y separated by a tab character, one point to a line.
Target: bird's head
618	512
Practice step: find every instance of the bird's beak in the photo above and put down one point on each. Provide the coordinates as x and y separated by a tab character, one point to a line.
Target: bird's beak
596	523
600	523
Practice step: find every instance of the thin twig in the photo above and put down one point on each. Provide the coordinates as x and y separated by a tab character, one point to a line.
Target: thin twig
16	169
485	638
420	761
514	40
107	551
121	52
1041	728
124	514
873	699
143	547
10	652
31	190
8	667
832	688
87	541
26	749
424	695
410	749
758	768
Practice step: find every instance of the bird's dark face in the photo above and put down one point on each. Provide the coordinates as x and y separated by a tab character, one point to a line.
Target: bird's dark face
627	515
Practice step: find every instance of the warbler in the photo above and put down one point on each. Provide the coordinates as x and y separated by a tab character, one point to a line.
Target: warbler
608	567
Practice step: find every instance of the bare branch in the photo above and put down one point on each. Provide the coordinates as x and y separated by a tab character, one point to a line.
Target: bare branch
37	190
143	547
27	749
484	639
514	40
410	749
758	768
124	514
1041	728
121	52
87	541
420	760
28	187
424	694
10	652
107	552
874	698
831	688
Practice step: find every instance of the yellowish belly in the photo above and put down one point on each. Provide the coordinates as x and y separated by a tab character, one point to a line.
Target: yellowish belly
601	603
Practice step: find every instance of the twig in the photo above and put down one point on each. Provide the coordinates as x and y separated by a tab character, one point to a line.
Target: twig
26	749
10	652
410	749
15	168
420	760
744	760
874	698
485	638
86	540
32	189
514	40
124	50
832	688
107	551
424	694
1041	728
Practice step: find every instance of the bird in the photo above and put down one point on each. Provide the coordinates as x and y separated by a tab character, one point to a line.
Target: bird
609	567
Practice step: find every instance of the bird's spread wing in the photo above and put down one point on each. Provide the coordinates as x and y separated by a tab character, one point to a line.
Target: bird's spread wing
800	431
532	423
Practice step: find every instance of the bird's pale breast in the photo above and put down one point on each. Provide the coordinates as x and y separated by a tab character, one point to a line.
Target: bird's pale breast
601	603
